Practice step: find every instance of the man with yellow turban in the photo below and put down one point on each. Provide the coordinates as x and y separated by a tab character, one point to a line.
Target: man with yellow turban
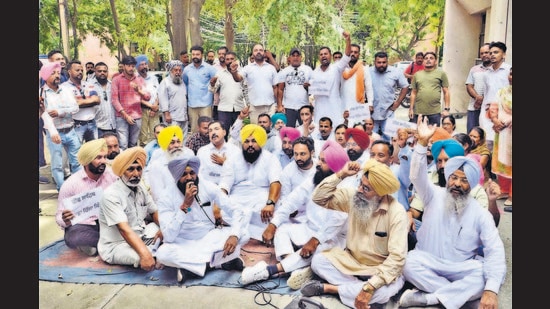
156	174
78	200
251	177
445	267
367	272
126	209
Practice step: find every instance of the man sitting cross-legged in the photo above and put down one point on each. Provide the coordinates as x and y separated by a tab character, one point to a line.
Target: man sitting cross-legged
189	226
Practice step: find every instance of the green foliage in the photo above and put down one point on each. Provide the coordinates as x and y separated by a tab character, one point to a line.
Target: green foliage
396	26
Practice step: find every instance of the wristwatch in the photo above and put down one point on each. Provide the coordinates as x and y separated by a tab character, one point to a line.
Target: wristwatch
270	202
447	108
367	288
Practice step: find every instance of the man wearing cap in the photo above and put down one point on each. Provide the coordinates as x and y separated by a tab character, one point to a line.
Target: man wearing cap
368	271
59	107
126	212
156	175
172	96
251	178
188	223
319	229
149	108
86	186
127	91
292	87
356	85
445	267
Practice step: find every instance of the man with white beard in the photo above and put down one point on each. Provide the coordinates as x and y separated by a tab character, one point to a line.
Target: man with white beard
367	272
156	174
445	266
172	96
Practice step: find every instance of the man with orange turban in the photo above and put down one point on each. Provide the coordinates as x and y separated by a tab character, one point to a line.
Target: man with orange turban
252	178
123	210
369	269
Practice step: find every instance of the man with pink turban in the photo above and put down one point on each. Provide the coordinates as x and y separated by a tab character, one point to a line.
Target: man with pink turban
285	154
367	271
445	267
123	211
251	177
317	228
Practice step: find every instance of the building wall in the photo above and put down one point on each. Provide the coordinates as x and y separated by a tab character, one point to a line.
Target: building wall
463	27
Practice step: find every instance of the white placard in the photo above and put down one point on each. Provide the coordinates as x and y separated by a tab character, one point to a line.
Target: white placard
218	258
358	113
392	124
84	205
319	87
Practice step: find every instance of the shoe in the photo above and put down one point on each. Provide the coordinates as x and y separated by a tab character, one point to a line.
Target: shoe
502	196
508	202
89	251
299	277
508	208
413	298
255	273
312	288
234	264
182	275
43	180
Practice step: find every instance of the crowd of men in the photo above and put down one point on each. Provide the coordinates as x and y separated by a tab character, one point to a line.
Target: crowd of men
300	159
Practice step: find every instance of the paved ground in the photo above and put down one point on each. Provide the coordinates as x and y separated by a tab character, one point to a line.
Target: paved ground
120	296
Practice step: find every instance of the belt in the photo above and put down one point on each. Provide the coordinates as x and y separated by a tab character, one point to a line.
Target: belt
65	130
80	122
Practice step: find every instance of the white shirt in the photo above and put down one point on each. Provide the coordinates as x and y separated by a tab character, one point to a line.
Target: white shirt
210	170
294	94
260	80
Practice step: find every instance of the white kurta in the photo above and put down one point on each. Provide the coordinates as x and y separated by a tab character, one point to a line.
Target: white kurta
329	105
191	238
248	185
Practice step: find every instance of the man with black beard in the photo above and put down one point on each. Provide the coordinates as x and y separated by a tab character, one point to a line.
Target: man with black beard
251	179
315	228
285	154
149	108
172	96
188	223
367	272
357	144
113	147
87	184
124	213
445	266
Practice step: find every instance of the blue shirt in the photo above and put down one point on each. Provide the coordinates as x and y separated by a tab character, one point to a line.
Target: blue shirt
197	81
383	85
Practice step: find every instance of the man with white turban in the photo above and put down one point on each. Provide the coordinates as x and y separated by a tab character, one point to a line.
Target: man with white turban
188	224
172	97
82	191
125	214
251	178
445	266
368	271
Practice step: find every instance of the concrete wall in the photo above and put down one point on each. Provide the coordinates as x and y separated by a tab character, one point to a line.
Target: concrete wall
463	27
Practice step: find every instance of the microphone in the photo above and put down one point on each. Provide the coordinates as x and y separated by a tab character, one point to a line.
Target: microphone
198	199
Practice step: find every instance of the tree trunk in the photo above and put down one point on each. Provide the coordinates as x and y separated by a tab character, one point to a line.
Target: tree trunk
195	7
229	31
120	45
64	28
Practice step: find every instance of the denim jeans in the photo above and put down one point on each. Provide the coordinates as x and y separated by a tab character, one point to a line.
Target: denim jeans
127	134
41	156
86	132
71	143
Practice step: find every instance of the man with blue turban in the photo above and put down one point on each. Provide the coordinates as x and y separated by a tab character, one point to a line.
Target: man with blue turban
445	266
188	222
